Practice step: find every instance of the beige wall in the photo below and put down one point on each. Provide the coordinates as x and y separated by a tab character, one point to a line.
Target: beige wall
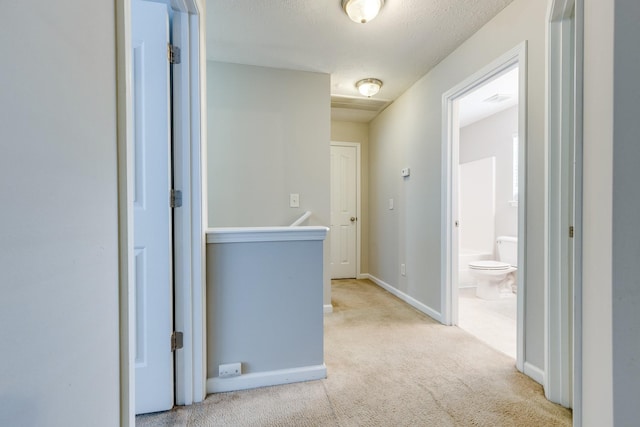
409	134
59	312
268	136
358	132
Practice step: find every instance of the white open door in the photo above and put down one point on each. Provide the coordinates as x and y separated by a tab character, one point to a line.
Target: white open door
152	211
343	211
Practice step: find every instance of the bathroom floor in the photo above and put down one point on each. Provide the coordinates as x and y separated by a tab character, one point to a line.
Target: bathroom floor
493	322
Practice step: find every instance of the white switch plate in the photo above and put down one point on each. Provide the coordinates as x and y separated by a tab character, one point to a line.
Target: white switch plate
390	204
403	269
294	200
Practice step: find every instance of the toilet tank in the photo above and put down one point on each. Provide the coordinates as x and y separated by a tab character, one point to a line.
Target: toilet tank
508	250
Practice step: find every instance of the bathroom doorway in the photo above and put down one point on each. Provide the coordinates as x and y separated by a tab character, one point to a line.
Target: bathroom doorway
483	206
488	212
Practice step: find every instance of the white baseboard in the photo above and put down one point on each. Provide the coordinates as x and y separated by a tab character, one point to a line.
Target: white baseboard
406	298
534	372
362	276
328	308
265	379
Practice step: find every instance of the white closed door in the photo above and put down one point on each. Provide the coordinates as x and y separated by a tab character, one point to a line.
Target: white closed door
152	211
343	211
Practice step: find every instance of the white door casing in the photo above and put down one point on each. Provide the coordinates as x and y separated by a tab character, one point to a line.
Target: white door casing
450	159
344	211
563	259
152	211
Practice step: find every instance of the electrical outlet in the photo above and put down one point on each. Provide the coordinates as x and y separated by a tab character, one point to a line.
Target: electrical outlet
230	370
390	204
403	269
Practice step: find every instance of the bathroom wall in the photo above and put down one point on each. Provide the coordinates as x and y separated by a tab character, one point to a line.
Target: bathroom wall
493	137
358	132
477	206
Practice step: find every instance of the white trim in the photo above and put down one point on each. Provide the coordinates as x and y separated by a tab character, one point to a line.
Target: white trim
189	219
125	213
561	191
327	308
533	372
305	216
363	276
406	298
191	360
265	379
265	234
450	142
357	146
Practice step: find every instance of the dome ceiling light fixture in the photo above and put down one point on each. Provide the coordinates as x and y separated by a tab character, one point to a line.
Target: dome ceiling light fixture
362	11
369	87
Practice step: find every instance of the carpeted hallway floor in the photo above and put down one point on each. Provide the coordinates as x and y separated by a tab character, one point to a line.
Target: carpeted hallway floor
388	365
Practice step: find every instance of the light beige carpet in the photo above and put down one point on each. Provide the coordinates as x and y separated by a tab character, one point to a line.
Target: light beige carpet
388	365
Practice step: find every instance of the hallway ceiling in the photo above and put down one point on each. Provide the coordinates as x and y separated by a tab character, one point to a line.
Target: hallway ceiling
403	43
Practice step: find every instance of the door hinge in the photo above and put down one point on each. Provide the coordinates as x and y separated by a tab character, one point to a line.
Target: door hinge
173	53
176	340
175	199
571	231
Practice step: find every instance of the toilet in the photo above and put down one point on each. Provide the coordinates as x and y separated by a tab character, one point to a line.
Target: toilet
494	277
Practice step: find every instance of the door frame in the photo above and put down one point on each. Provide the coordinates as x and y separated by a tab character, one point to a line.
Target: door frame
357	146
450	159
563	323
189	241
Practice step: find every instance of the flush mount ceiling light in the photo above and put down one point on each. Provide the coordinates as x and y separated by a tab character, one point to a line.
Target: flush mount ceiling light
362	11
369	87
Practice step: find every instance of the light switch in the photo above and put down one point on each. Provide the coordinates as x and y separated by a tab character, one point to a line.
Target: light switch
294	200
390	204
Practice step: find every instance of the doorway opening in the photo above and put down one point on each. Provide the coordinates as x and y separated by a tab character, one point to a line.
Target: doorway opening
484	204
488	212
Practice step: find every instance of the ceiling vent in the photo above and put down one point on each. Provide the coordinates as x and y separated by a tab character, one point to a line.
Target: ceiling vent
363	104
498	98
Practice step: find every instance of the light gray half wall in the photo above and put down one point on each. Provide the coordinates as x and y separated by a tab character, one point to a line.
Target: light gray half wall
493	137
268	136
409	134
358	132
59	316
626	213
264	305
597	352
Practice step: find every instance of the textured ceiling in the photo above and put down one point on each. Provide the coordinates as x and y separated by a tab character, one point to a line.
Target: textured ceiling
406	40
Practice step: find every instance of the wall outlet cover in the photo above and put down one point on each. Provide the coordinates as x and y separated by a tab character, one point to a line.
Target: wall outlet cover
228	370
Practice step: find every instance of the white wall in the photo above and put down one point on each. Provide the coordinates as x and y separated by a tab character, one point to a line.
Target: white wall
408	133
59	315
268	136
477	206
493	137
358	132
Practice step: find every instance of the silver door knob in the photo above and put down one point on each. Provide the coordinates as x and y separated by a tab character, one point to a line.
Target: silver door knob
353	218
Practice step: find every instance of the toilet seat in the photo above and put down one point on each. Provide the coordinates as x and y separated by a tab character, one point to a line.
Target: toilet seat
489	265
